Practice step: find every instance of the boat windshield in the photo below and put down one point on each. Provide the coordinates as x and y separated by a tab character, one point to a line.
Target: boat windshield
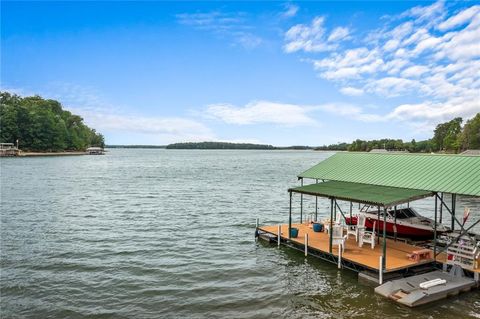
403	213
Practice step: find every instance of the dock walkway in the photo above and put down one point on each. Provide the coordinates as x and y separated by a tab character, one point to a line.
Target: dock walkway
396	257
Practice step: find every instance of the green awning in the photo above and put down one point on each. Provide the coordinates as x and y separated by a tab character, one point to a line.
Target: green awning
456	174
362	193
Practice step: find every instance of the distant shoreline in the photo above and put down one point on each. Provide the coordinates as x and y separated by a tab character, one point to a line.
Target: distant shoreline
34	154
214	146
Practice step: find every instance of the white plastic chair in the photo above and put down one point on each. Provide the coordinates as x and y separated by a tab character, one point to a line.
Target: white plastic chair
367	237
326	223
356	229
338	237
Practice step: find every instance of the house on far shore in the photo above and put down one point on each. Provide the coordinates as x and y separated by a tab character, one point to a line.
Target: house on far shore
471	152
95	151
8	149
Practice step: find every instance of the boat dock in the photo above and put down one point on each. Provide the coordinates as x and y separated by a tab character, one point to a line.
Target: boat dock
8	149
408	274
353	257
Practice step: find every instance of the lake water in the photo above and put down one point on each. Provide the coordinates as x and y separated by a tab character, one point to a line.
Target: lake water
170	234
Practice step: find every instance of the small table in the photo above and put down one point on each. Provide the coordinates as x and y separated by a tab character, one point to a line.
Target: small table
418	255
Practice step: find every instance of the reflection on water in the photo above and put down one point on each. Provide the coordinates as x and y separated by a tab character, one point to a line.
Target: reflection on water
169	233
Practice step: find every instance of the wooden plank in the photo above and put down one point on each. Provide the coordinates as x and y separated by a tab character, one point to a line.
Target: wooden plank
364	256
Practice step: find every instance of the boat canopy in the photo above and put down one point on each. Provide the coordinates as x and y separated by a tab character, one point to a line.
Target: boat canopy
455	174
384	196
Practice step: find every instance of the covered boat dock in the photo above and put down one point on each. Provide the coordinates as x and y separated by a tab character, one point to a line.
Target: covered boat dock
384	181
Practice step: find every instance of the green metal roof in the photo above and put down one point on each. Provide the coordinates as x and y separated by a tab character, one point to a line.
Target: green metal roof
362	193
457	174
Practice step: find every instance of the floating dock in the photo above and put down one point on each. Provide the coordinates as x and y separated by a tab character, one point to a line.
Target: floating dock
415	291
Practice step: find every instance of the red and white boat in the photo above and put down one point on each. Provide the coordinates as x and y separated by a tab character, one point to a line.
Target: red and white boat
408	223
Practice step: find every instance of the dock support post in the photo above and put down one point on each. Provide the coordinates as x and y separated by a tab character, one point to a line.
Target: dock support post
330	227
335	211
395	222
380	271
316	204
256	229
290	218
351	208
306	244
476	276
339	256
384	252
378	225
441	208
454	197
435	229
279	238
301	205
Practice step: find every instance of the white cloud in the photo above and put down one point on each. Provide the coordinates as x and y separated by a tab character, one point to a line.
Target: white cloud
401	31
309	38
435	112
267	112
167	128
313	38
391	45
351	64
248	40
215	20
461	18
339	33
394	66
290	10
258	112
414	71
351	91
427	14
391	86
231	25
425	53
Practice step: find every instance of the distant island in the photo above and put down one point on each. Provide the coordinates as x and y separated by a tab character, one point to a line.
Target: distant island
219	146
41	125
231	146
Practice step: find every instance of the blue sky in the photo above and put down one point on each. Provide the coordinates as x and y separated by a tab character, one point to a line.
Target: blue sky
282	73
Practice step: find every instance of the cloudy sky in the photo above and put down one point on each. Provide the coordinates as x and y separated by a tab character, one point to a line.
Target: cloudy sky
308	73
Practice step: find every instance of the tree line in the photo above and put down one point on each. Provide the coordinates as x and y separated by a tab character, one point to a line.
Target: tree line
42	125
233	146
220	146
450	137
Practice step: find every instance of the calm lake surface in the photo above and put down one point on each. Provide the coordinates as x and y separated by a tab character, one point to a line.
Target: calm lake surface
170	234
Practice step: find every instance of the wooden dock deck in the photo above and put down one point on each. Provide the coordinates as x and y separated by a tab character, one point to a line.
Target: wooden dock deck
366	257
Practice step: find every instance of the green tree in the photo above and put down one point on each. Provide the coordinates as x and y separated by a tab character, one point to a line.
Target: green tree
470	137
446	135
42	125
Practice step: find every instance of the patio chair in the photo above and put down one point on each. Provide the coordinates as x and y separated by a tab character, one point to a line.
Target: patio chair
338	237
367	237
356	229
326	223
